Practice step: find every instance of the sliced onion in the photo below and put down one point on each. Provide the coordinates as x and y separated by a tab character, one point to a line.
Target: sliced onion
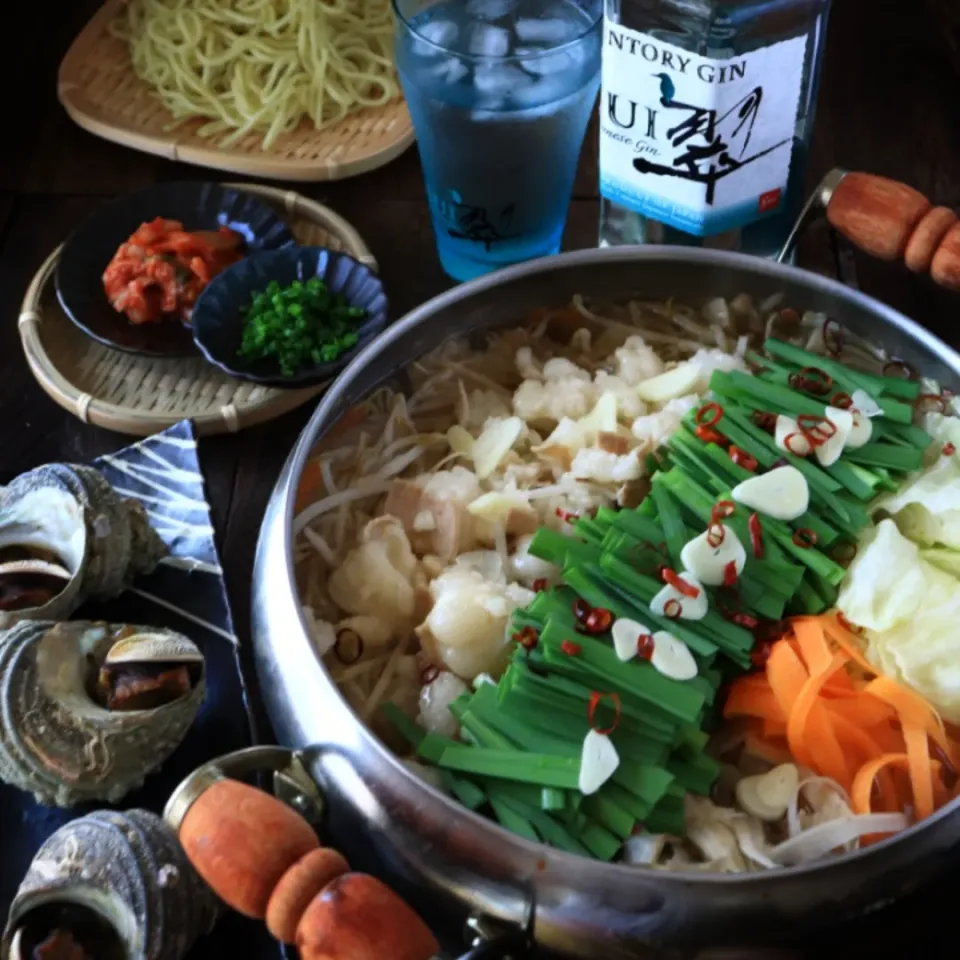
793	811
642	849
751	841
818	841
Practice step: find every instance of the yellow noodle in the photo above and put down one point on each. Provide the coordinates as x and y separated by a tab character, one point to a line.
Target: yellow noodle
262	65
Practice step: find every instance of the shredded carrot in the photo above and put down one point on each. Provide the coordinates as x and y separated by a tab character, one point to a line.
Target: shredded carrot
819	701
311	485
809	727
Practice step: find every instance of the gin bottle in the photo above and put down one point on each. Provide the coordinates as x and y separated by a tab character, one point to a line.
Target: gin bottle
706	112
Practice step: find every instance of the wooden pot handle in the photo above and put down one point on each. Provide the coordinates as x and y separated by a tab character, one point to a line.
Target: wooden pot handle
892	221
264	860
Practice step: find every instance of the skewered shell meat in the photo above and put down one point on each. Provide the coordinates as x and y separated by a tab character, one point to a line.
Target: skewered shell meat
87	710
65	536
115	884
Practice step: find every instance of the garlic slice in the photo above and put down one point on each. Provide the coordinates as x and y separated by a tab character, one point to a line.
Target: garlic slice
863	402
708	564
598	762
781	493
691	608
828	452
672	657
625	633
601	419
461	441
675	383
767	796
498	437
861	432
799	445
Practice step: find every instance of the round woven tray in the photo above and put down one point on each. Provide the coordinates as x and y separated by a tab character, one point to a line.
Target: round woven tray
100	91
143	395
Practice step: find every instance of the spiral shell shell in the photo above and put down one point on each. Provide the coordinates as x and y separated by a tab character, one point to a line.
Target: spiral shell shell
100	541
60	744
124	871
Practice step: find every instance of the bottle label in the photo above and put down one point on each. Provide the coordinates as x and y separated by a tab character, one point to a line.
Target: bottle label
698	144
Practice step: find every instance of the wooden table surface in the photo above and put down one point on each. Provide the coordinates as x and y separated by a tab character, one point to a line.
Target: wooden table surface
887	105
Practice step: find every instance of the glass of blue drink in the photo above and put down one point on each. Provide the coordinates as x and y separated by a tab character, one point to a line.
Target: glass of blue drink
500	92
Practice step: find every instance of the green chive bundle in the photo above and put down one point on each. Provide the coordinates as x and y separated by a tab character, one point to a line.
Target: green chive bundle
519	757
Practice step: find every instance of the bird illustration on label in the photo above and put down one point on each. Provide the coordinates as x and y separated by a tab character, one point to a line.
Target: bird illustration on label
707	146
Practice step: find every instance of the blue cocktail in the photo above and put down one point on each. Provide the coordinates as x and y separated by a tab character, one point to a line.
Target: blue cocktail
500	92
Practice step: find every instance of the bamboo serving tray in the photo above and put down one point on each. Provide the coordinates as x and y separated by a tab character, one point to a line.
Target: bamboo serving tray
140	396
100	91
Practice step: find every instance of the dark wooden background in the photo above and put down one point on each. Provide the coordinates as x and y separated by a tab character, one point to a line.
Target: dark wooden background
888	105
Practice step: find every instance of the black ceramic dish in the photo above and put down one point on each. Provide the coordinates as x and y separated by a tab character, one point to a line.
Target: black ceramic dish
198	206
218	318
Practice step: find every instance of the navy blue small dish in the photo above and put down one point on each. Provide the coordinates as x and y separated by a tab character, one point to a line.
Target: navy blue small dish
218	317
198	206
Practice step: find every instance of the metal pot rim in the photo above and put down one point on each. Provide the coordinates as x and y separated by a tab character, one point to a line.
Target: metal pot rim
594	870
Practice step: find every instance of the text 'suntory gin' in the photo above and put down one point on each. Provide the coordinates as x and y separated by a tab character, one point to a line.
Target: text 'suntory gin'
500	92
706	111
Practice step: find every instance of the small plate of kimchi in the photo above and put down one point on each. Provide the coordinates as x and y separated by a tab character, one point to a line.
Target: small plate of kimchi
130	275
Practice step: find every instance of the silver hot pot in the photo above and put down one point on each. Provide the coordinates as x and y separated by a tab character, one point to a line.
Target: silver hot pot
451	863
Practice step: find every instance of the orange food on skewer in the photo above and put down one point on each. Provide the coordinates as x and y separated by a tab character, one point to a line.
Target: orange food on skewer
819	699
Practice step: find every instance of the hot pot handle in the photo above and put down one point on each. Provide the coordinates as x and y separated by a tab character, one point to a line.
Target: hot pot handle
891	221
263	859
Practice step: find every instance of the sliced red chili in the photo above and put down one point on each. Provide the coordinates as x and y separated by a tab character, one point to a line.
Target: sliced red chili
804	537
811	380
931	402
598	620
756	535
540	584
730	574
595	700
842	401
765	420
844	552
721	510
679	584
645	646
672	609
949	449
815	428
832	336
429	674
527	638
570	648
716	534
567	516
897	367
348	653
709	415
743	459
709	435
728	603
581	609
792	442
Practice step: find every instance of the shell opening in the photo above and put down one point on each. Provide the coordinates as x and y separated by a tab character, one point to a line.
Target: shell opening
144	671
30	577
143	686
66	931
